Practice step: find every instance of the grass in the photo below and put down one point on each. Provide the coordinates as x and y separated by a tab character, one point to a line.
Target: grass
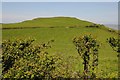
63	30
49	22
108	63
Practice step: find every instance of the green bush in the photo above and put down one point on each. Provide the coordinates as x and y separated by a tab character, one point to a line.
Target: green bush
21	59
114	43
87	48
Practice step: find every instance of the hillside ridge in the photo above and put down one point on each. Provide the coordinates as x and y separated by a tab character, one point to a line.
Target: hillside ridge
56	22
50	22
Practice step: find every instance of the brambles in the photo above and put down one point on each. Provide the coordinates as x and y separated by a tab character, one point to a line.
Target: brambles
87	48
21	59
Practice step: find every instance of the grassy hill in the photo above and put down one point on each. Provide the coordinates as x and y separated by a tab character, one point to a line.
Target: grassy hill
49	22
63	45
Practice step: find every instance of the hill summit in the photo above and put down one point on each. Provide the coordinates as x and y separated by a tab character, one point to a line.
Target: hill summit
50	22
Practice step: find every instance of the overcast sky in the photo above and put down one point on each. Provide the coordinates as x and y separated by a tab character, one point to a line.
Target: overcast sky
98	12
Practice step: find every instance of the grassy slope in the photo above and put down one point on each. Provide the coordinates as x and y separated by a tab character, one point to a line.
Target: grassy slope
49	22
63	45
108	62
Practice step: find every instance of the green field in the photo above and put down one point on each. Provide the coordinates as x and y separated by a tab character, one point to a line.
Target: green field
63	45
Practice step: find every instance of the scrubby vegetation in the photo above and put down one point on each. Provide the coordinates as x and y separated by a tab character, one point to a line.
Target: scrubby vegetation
93	25
87	48
62	57
115	44
21	59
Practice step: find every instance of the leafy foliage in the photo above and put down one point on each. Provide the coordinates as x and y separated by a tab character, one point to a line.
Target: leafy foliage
114	43
23	60
87	48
